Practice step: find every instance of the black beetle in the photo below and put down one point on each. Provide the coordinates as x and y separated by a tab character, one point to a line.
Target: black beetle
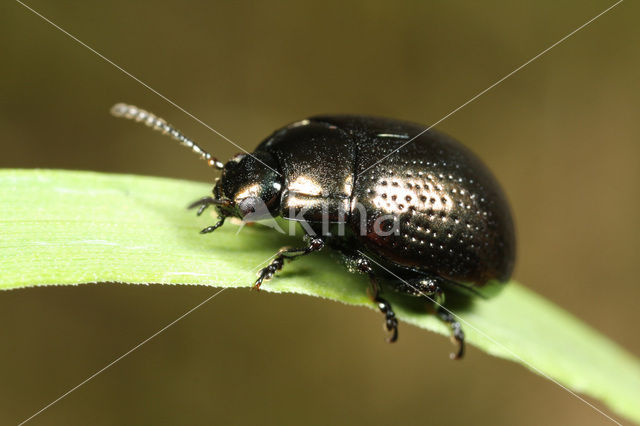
431	213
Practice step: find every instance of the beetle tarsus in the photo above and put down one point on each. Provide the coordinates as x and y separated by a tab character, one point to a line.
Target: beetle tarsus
457	335
266	273
390	320
212	228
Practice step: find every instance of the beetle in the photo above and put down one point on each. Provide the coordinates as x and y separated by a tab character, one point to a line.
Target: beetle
430	213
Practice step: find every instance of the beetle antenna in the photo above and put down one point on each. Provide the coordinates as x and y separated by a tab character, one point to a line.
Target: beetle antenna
156	123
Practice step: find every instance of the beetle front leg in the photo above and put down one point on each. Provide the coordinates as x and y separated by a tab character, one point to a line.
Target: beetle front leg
202	204
205	202
212	228
391	322
315	244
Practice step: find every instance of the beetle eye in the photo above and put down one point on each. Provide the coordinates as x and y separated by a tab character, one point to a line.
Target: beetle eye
253	208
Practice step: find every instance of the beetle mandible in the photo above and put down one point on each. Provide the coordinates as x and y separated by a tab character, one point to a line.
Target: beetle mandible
431	213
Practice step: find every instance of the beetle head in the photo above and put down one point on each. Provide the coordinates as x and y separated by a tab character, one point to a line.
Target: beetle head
251	185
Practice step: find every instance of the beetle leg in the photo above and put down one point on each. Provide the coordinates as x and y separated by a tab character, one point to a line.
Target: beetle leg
212	228
315	244
391	322
203	202
458	335
429	287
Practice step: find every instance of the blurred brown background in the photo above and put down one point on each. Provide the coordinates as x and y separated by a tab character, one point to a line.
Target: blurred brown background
561	135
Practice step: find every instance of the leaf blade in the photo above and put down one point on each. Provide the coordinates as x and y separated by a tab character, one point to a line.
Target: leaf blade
62	227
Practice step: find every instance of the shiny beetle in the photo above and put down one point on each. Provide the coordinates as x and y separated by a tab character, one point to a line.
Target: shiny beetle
430	214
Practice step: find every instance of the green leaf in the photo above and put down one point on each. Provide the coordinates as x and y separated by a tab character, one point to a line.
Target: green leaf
61	227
